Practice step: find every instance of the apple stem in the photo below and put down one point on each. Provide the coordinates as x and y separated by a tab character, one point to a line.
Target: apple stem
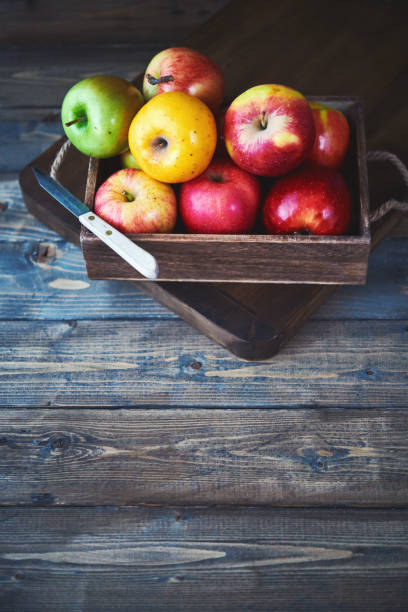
77	120
164	79
128	196
263	122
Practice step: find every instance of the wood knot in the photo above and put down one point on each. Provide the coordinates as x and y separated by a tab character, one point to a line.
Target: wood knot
4	441
196	365
44	254
60	443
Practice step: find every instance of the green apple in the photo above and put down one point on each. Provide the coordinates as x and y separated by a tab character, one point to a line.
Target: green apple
128	161
96	114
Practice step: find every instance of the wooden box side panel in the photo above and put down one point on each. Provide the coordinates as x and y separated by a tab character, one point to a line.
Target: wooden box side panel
340	262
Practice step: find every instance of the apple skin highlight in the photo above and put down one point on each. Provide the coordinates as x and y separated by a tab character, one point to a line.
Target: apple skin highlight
189	71
223	200
332	137
269	130
311	200
135	203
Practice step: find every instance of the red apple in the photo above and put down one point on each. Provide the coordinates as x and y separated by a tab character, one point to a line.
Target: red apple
135	203
269	129
332	136
183	69
223	200
311	200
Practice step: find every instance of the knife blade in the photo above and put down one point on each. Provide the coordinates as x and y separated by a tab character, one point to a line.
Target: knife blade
140	259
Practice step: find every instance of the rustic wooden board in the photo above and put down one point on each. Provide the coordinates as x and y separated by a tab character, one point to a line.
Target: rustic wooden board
26	25
96	363
49	281
107	558
195	559
197	456
92	37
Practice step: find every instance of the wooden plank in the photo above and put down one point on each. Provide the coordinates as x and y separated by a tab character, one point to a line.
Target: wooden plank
297	457
33	87
114	40
16	223
48	22
255	259
351	363
161	559
46	279
22	141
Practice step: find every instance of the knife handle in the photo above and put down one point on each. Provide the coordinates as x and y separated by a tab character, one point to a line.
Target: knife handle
137	257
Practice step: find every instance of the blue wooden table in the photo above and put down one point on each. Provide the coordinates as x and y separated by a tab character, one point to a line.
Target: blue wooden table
133	480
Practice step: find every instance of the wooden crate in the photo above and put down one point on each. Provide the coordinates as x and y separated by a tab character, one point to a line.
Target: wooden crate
256	257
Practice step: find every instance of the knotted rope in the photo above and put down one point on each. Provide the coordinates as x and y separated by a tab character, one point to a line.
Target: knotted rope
386	156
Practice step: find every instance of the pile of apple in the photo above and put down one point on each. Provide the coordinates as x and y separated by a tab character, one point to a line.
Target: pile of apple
175	133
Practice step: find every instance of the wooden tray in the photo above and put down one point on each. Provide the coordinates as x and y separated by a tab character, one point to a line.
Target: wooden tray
256	257
251	320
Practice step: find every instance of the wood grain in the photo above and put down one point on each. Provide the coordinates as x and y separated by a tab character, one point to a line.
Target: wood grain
49	281
350	363
183	456
160	559
187	558
360	52
91	37
269	260
151	21
22	141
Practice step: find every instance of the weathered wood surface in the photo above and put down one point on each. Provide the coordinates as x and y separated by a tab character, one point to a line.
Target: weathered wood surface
360	50
270	260
292	457
185	558
331	363
195	559
45	23
91	37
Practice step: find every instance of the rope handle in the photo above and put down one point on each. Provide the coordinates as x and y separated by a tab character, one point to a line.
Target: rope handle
382	156
386	156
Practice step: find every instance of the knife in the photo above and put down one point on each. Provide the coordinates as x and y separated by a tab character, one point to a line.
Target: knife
137	257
